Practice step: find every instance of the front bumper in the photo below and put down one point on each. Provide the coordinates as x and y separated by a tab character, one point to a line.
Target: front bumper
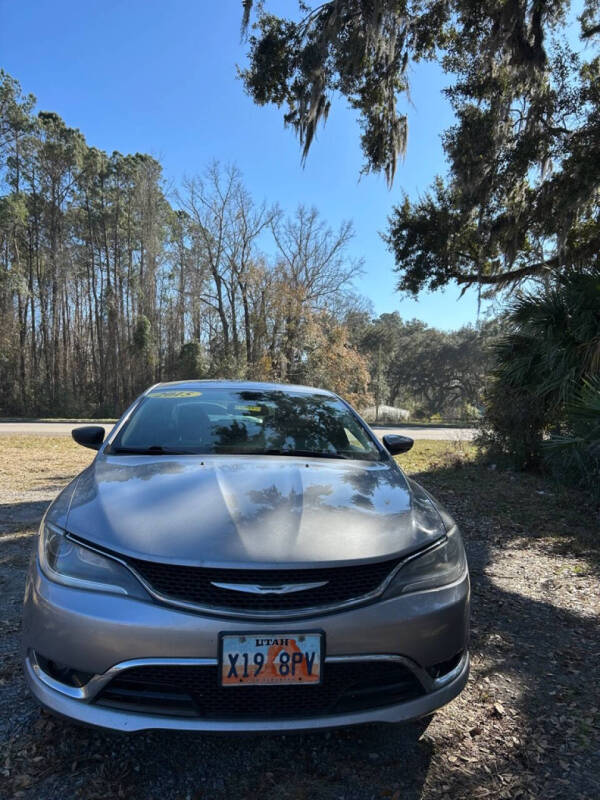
103	634
86	712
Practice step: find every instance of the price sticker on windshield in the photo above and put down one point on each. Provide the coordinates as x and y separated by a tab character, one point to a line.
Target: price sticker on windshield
176	394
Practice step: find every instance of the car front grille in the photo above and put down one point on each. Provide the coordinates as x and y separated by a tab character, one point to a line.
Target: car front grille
194	691
195	585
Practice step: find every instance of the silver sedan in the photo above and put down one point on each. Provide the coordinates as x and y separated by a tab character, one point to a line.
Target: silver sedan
245	557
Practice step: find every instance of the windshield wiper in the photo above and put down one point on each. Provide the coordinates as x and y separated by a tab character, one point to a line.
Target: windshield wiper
321	454
159	450
153	450
274	451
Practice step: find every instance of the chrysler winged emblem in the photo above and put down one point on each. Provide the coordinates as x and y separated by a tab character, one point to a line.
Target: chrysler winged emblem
253	588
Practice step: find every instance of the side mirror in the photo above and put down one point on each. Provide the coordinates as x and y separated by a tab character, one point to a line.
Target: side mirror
395	444
90	436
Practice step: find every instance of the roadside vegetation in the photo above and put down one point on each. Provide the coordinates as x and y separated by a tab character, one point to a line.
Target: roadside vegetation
543	399
516	215
527	725
108	284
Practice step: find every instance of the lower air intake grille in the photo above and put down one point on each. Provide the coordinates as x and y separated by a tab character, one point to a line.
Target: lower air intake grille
195	691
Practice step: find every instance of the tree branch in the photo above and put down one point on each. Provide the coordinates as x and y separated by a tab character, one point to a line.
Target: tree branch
506	277
587	33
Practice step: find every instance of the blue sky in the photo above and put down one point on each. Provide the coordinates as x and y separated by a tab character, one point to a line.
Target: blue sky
156	77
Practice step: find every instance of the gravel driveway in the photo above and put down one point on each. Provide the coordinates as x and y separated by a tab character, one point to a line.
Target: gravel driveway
526	726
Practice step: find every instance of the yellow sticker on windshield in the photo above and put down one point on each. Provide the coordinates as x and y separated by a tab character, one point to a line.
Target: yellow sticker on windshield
247	408
176	394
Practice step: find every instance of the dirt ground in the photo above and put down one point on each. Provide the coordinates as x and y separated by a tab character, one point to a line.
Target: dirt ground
526	726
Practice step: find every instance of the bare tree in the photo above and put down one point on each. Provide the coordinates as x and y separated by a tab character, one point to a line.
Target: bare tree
106	286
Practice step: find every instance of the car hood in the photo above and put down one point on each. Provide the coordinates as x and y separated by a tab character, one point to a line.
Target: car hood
250	510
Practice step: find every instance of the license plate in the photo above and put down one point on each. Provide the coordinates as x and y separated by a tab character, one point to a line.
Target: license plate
260	659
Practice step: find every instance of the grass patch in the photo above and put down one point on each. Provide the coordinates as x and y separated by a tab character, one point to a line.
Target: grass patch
428	455
34	462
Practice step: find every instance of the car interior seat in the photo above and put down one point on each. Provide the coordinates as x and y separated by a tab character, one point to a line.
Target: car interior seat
193	424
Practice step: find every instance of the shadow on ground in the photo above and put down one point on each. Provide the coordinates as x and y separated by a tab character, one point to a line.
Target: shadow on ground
537	655
526	726
17	516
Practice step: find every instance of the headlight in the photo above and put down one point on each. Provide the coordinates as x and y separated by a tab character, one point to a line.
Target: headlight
67	562
440	565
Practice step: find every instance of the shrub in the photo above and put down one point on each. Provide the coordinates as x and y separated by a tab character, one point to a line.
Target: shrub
574	455
552	344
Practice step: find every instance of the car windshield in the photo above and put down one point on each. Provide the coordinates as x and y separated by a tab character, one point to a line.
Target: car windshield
245	422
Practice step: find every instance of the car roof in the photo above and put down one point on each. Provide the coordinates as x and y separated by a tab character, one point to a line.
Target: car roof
233	384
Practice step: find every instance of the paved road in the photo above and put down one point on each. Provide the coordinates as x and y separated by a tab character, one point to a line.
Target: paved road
453	434
44	428
58	428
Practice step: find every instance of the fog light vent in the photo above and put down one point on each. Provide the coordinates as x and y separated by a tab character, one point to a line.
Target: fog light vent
444	667
63	672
